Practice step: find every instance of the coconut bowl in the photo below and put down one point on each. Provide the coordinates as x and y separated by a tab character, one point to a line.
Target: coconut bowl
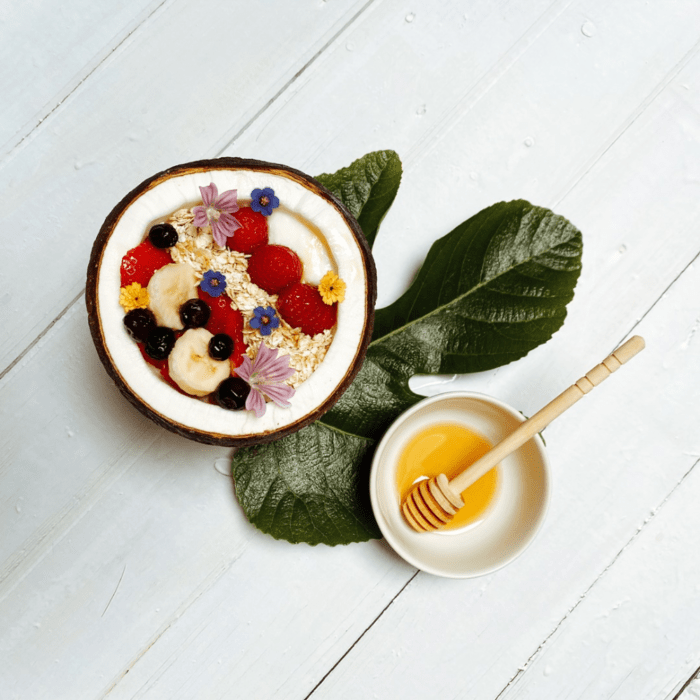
310	220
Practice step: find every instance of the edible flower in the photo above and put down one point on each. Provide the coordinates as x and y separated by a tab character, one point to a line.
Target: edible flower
133	296
331	288
264	320
266	375
213	283
216	211
264	201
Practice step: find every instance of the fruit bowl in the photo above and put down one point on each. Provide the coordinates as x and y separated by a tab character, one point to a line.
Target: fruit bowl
307	220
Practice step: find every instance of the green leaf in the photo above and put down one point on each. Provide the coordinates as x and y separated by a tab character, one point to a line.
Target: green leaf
367	188
308	487
488	292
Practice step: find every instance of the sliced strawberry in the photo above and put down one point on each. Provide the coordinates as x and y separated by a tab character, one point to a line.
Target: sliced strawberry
224	319
302	306
253	231
139	264
161	366
274	267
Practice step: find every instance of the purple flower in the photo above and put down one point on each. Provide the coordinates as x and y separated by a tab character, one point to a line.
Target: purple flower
266	375
213	283
264	320
264	201
216	211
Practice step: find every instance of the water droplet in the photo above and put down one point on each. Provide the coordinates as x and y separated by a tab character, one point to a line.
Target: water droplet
350	46
622	248
70	433
529	142
547	670
421	110
473	175
37	624
223	466
18	508
77	165
410	17
588	29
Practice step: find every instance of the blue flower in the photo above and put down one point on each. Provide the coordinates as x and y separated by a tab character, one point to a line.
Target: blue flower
213	283
264	201
264	320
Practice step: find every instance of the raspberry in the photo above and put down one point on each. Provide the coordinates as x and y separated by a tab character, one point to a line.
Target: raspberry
301	306
274	267
253	231
139	264
224	319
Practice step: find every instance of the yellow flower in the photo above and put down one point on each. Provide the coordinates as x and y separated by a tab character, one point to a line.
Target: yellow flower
133	296
332	288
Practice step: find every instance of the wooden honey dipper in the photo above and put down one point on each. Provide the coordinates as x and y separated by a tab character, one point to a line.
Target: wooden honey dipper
432	503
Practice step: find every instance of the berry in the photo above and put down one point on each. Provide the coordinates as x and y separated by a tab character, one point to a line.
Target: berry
139	264
163	235
301	306
221	346
139	323
274	267
194	313
225	319
232	393
253	231
160	342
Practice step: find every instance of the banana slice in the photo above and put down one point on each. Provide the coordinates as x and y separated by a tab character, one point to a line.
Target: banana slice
169	288
192	368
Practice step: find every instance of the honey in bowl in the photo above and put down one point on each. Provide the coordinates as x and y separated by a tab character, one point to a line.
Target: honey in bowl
448	448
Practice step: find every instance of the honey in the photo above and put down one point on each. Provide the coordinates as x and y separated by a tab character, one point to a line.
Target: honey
448	448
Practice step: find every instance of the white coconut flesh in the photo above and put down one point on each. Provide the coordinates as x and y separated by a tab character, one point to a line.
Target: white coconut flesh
306	223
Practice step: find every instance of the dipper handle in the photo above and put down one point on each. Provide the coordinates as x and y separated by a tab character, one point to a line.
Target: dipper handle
546	415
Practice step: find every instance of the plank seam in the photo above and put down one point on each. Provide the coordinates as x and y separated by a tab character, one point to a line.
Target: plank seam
369	627
293	79
693	676
523	668
26	350
9	148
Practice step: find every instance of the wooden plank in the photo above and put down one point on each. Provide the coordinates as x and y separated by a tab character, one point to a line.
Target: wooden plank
633	634
158	657
167	95
54	52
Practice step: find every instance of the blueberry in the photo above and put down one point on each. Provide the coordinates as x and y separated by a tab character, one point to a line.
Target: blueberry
194	313
163	235
221	346
160	342
139	323
232	393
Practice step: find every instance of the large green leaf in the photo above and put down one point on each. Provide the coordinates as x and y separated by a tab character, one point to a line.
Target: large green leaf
308	487
367	187
489	292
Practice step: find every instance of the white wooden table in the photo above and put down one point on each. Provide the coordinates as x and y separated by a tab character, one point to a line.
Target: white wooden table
127	569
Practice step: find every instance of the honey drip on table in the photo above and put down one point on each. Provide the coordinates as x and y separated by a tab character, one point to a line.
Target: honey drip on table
448	448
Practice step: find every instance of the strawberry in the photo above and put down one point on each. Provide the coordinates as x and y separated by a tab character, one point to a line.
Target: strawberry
162	367
253	231
139	264
224	319
274	267
302	306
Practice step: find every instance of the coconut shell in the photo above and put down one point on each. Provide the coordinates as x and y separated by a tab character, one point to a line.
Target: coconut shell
95	319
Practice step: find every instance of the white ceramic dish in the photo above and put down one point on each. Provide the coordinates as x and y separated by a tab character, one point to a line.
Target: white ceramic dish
512	519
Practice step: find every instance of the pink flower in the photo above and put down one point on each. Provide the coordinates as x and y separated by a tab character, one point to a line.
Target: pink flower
216	211
266	375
